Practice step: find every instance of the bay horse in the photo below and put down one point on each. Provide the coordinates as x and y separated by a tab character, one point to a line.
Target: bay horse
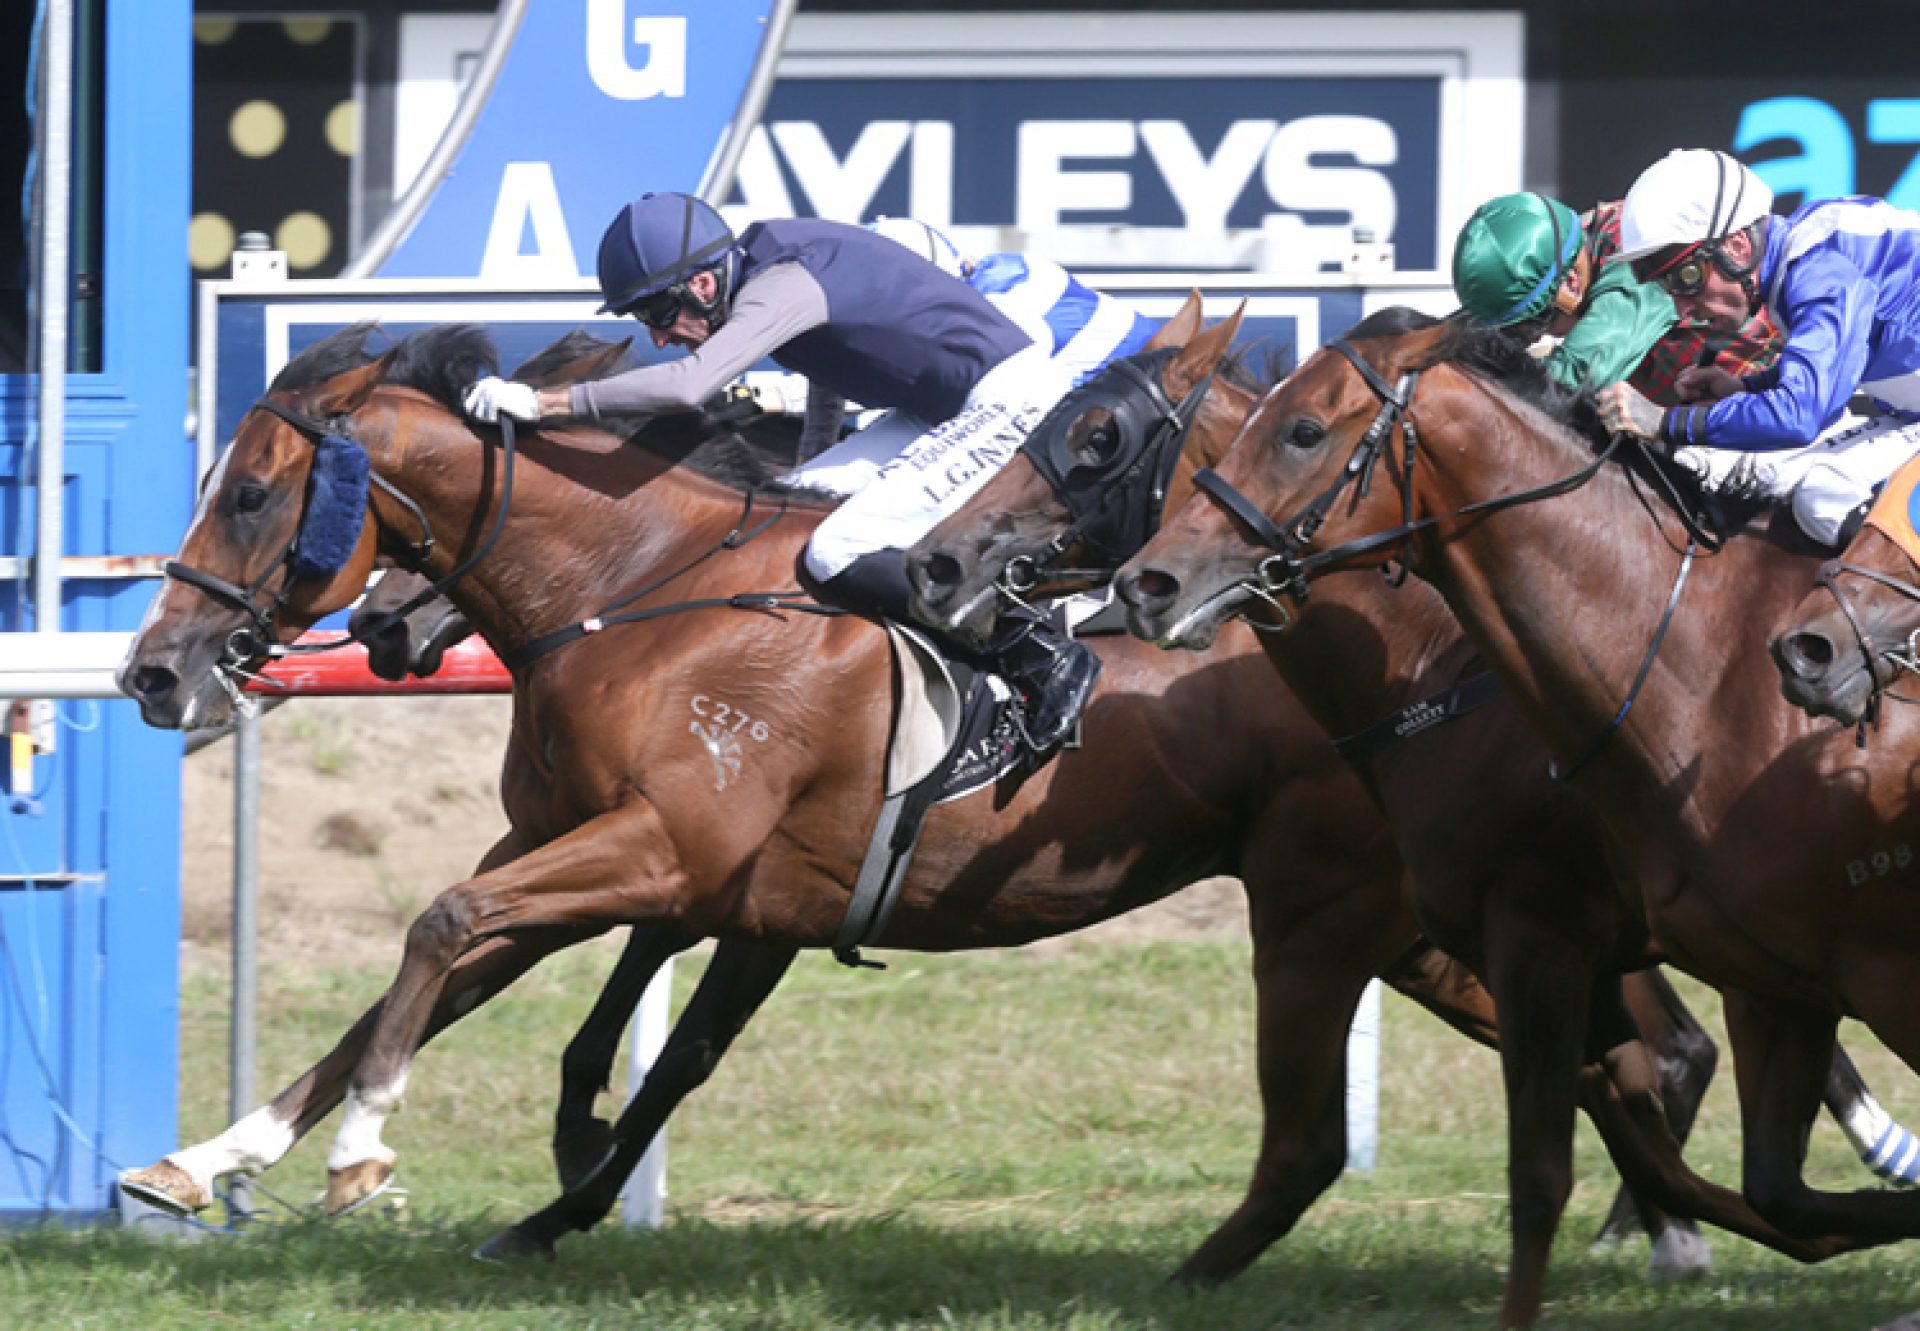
622	812
1511	874
1741	822
1852	639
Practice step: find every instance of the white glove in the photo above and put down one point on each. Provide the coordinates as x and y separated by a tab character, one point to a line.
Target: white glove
491	398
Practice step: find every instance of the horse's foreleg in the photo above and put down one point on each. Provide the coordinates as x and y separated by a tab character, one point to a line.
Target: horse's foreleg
1884	1146
1542	990
1687	1058
618	868
1308	976
737	981
579	1138
1783	1055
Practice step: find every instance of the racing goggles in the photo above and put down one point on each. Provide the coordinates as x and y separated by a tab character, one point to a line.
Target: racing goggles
660	310
1684	274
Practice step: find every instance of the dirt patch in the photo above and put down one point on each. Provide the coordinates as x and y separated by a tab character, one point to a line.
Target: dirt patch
370	806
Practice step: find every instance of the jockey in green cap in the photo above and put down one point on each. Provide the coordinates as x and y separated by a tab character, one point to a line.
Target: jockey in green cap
1526	262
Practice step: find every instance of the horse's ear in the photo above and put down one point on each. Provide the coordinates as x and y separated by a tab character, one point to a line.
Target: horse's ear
346	392
1179	330
1198	357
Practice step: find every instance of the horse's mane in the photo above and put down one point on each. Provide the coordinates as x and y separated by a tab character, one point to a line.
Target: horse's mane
331	355
1276	363
442	361
1498	357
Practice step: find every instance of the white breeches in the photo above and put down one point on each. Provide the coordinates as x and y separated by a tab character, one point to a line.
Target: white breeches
1826	480
903	475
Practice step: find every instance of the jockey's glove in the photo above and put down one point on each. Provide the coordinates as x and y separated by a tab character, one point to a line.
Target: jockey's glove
490	399
740	402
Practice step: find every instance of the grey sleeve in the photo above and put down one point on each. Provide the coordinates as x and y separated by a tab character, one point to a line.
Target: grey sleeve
770	310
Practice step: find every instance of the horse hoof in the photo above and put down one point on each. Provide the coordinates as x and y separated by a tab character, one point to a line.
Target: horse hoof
1679	1254
511	1245
351	1188
167	1186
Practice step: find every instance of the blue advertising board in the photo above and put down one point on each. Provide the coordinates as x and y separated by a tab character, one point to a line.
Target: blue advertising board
1147	141
599	101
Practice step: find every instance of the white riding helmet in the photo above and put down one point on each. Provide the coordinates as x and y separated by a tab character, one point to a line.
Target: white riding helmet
1690	196
929	242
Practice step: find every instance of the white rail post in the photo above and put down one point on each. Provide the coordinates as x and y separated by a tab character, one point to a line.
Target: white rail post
643	1201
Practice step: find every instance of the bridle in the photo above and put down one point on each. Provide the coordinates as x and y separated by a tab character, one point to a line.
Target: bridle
1907	659
1115	503
1294	563
259	637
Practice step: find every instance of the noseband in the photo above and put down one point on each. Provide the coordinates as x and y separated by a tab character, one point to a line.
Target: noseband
1112	510
1907	659
259	637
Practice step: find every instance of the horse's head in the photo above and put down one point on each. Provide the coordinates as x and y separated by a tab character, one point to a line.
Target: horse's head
279	540
1858	630
1314	465
1090	482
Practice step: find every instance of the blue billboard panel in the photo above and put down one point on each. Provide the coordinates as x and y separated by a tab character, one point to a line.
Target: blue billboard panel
1164	148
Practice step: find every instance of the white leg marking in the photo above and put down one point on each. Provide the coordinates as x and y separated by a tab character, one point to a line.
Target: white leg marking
255	1143
360	1125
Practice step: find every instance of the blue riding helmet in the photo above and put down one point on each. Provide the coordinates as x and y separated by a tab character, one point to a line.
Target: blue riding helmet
656	243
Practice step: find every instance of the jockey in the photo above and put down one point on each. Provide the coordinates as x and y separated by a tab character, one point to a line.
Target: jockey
863	319
1840	277
1527	263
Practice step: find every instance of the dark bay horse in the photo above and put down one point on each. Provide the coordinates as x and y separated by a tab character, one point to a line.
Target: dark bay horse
624	812
1851	641
1511	873
1744	825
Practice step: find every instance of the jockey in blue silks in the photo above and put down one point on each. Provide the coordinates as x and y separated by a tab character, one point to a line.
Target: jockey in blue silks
1841	279
863	319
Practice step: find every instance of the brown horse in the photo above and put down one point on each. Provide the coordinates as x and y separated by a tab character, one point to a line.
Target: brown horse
1741	823
1852	639
1511	872
623	812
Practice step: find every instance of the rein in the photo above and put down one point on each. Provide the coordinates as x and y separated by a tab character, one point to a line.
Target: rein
1292	566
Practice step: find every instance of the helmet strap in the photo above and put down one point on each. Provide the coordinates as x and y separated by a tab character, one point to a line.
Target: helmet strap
713	311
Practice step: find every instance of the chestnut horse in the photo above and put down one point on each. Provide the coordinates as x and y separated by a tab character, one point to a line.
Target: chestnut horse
1745	827
1853	639
1511	873
622	812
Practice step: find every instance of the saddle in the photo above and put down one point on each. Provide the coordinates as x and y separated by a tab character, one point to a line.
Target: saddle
955	731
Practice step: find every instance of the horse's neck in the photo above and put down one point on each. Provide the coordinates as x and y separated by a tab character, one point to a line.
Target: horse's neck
1362	650
1565	596
585	527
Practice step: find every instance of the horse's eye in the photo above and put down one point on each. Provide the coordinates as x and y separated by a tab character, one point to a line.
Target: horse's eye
1096	438
251	497
1307	434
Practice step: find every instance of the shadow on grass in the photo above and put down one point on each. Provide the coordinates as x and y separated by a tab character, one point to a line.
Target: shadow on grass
897	1272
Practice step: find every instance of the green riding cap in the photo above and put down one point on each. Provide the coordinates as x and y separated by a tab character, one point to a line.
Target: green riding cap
1511	256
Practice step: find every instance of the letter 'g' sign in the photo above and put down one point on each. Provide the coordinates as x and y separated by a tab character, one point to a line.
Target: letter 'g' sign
599	102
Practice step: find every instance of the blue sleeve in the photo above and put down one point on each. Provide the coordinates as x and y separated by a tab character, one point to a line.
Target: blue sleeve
1828	307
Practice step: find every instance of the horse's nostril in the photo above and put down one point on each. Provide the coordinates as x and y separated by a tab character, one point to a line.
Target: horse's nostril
153	683
1810	653
1150	588
937	575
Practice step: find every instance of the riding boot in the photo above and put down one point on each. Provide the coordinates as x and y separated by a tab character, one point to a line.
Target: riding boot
1054	675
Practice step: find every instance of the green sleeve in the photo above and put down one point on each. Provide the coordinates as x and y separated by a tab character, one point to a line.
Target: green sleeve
1622	320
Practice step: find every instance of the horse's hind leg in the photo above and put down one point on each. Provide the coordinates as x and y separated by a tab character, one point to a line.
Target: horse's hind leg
1883	1145
1687	1058
737	981
580	1139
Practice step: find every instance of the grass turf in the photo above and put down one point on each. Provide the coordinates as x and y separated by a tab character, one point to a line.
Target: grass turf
989	1141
